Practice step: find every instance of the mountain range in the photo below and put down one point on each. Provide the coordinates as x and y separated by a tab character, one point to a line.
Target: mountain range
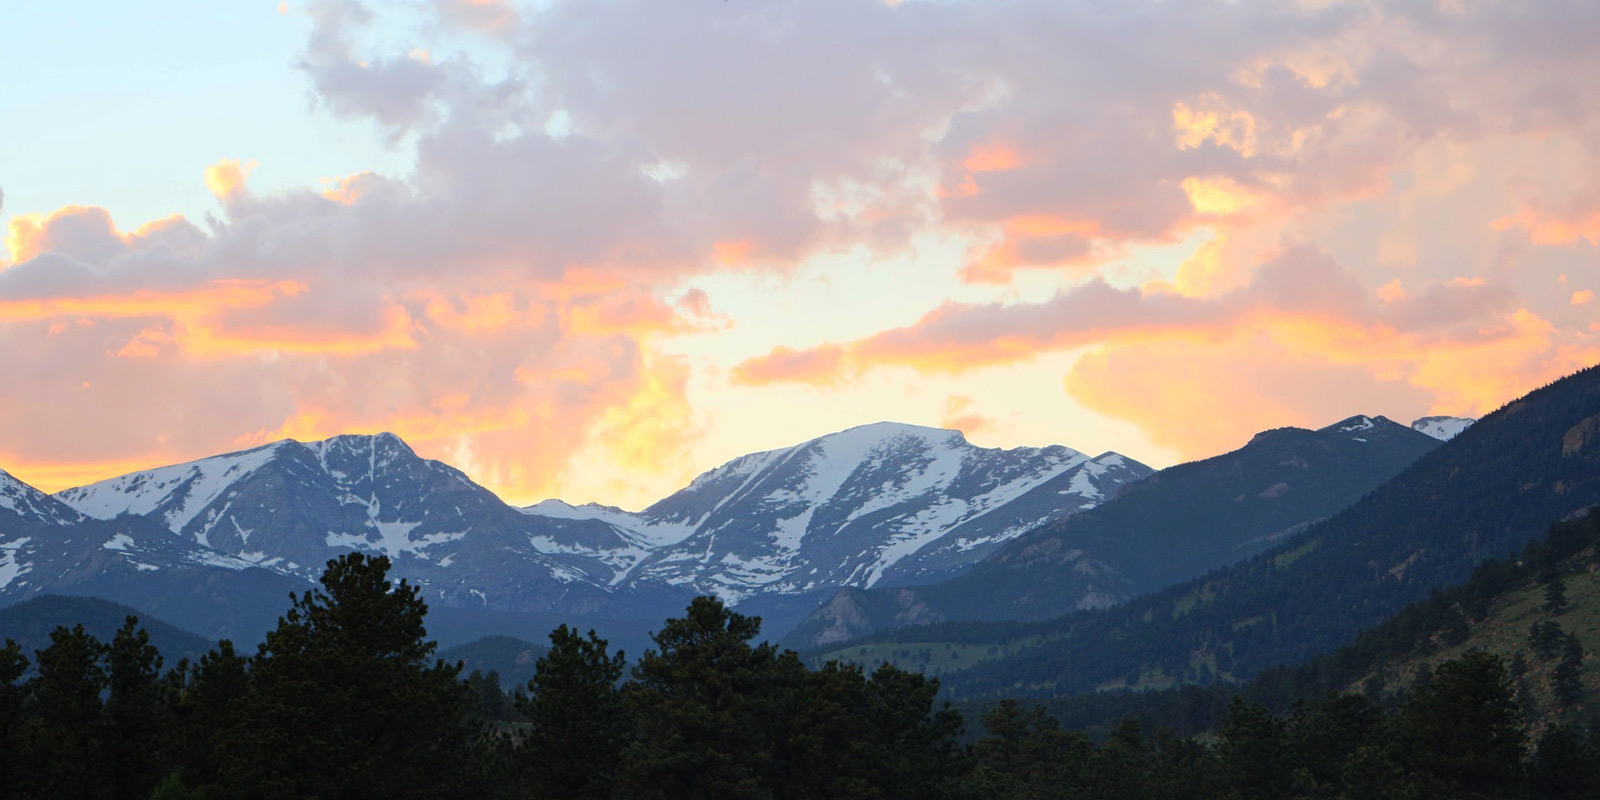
216	544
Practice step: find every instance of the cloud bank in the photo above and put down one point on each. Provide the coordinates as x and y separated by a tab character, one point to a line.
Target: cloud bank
1397	200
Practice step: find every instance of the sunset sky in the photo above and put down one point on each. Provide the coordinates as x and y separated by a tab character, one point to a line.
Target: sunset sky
589	248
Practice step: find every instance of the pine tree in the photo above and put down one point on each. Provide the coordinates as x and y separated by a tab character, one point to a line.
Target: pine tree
1118	769
13	665
577	725
493	703
1555	596
1251	751
1545	638
1025	755
205	707
1462	733
134	722
1321	737
1567	679
343	702
65	709
711	710
1565	765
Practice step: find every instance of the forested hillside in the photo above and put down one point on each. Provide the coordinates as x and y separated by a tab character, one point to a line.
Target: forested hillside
1538	612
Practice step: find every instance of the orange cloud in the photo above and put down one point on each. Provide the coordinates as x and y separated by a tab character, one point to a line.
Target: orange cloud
992	158
818	365
960	415
23	236
631	313
480	313
1209	121
1218	197
1458	347
1547	230
1201	399
1583	297
210	340
1033	240
345	191
733	253
199	302
994	264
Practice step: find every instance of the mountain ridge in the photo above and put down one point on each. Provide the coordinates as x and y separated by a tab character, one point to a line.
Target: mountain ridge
1172	526
879	493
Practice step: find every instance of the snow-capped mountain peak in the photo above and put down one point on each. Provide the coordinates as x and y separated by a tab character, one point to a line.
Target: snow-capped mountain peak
1442	428
855	507
876	503
31	505
176	493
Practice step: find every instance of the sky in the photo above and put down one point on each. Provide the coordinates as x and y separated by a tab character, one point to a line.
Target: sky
588	249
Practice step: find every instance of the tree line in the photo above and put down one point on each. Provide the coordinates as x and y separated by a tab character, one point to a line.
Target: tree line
344	699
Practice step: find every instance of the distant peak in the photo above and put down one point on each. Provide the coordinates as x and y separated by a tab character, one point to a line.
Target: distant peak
1360	423
382	440
1442	428
886	430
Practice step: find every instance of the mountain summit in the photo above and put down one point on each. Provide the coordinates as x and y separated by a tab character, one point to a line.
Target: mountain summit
880	503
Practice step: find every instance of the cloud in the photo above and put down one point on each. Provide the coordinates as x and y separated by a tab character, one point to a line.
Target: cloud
576	167
1201	399
300	315
821	364
961	415
1304	343
1302	286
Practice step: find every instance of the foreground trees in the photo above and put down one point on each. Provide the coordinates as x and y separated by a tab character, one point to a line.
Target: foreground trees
345	700
347	672
710	714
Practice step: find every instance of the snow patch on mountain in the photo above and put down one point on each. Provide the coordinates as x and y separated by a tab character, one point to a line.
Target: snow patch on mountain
11	564
179	492
1442	428
1362	423
848	507
647	532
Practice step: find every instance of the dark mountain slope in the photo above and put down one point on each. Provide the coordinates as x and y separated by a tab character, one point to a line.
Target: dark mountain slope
1493	611
1170	527
31	621
512	659
1484	494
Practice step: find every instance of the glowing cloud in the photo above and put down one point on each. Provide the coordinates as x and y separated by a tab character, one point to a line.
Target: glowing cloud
1231	207
226	179
819	365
